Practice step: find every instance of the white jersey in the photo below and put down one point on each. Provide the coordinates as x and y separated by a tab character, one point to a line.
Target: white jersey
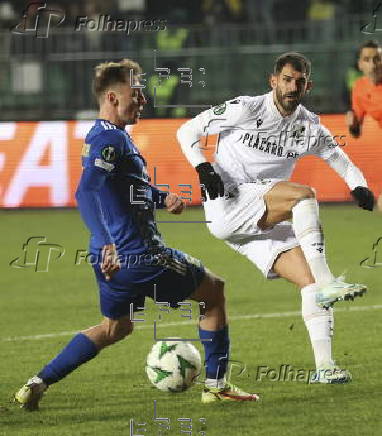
257	142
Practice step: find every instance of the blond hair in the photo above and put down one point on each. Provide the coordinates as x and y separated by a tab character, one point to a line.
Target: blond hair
110	73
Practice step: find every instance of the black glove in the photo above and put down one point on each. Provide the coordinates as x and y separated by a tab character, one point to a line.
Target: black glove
211	181
355	131
364	197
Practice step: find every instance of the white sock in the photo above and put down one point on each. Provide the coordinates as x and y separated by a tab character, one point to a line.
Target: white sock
320	324
214	383
307	228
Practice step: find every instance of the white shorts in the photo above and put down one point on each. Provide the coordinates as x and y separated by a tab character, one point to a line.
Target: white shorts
234	219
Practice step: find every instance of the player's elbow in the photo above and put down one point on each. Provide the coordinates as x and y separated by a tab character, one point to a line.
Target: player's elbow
83	189
77	195
188	133
181	134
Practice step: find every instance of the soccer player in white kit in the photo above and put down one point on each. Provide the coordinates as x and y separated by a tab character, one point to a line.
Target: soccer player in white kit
252	206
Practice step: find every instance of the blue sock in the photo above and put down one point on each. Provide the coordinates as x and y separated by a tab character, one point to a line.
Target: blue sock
216	352
78	351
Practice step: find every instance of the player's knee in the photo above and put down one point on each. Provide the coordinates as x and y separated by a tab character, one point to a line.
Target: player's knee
216	294
118	331
301	193
219	286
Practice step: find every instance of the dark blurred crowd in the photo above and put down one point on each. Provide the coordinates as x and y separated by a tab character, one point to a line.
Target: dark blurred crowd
207	12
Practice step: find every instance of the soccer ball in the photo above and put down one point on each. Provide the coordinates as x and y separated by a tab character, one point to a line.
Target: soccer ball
173	366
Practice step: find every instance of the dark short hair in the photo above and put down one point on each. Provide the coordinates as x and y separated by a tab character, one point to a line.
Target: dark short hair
371	43
298	61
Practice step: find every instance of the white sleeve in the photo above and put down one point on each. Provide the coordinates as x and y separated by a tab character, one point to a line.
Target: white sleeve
323	144
328	149
341	163
211	121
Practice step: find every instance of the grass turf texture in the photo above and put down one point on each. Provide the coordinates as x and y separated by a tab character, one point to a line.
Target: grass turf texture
102	396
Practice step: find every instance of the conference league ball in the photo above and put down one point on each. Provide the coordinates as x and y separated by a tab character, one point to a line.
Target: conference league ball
173	366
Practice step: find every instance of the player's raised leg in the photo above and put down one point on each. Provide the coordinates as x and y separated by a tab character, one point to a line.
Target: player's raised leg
213	331
83	347
319	321
287	200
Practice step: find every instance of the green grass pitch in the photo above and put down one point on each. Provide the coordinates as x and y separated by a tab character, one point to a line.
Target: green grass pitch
103	396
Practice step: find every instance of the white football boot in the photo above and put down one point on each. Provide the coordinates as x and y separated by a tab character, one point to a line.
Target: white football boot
338	290
31	393
331	374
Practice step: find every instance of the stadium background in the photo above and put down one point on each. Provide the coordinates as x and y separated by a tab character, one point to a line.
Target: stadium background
228	48
45	110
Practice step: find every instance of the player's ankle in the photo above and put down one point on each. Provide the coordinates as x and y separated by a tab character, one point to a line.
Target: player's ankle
214	383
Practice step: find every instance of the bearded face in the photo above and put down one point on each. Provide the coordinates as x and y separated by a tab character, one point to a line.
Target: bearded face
288	100
289	88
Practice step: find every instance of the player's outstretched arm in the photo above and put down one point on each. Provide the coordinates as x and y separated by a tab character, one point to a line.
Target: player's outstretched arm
364	197
354	124
174	204
163	199
159	197
211	121
353	177
188	136
210	181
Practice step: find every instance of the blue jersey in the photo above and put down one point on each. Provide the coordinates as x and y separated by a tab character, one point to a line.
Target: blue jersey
114	195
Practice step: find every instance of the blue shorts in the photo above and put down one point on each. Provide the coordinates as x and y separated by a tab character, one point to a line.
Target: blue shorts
176	278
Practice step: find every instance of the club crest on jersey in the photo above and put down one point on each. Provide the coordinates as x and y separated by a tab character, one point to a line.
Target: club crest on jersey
220	109
100	163
109	153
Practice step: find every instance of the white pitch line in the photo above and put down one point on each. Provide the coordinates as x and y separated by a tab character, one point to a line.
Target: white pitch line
190	322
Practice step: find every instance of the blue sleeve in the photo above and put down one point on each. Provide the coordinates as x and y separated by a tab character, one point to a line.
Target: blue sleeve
158	197
89	204
99	164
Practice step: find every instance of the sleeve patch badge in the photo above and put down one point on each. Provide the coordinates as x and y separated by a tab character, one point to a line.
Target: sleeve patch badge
109	153
104	165
220	109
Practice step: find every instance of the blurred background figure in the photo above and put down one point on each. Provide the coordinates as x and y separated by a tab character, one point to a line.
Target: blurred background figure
366	91
234	41
322	20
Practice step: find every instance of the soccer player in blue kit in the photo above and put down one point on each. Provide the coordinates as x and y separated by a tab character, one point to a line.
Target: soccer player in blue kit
117	203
